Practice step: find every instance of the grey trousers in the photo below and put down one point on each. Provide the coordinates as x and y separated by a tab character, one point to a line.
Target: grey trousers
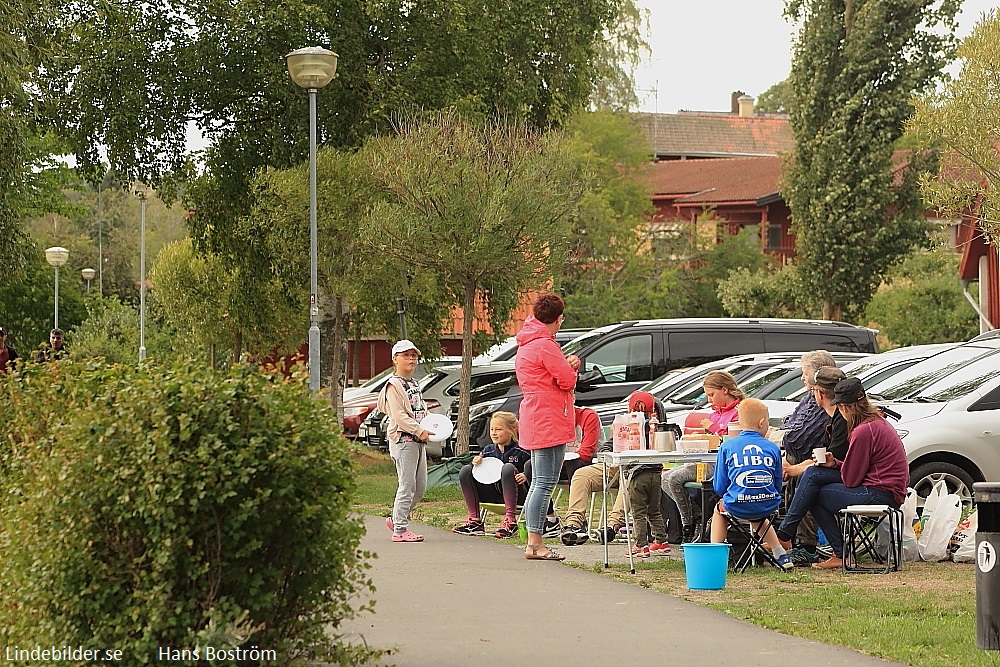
411	470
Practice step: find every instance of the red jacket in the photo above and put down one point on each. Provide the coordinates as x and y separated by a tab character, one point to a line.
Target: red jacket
588	427
547	417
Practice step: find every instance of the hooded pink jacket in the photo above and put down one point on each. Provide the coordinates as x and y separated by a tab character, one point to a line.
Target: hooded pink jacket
547	417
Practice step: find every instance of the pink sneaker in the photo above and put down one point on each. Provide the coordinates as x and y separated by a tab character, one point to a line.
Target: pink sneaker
639	552
408	537
389	524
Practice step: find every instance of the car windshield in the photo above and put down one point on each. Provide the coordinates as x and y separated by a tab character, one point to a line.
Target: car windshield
757	382
959	384
578	344
912	380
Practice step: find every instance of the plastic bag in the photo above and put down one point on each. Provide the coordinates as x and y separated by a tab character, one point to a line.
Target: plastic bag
964	539
910	551
940	525
938	491
909	538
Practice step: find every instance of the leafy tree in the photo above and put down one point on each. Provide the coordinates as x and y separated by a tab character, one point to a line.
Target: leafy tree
610	225
358	286
711	265
111	332
484	206
199	296
27	306
617	53
922	301
762	293
856	65
961	120
774	99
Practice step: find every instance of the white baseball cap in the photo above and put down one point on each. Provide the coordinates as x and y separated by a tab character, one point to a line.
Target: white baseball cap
404	346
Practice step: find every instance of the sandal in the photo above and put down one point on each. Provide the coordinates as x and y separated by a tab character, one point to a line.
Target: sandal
408	537
548	555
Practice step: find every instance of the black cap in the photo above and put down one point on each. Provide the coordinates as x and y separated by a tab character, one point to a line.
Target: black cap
849	390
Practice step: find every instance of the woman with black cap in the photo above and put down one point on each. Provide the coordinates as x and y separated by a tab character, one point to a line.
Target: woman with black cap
873	472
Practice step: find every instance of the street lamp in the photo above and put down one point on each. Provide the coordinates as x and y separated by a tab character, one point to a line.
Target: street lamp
141	194
88	275
56	257
312	68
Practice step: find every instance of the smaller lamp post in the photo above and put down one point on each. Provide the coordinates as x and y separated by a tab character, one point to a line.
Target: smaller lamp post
56	256
88	275
141	194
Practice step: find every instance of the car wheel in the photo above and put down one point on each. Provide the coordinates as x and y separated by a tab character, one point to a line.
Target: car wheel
925	476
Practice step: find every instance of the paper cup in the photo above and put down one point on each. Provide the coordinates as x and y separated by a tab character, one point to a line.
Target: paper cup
819	454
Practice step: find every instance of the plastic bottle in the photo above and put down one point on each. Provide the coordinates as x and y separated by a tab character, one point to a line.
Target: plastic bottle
635	430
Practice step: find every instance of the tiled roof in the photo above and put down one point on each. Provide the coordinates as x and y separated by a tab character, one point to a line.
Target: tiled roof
715	181
716	134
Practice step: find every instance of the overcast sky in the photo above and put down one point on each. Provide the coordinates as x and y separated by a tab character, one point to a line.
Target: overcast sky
705	49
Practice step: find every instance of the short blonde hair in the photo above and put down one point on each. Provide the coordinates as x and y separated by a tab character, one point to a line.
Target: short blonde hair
752	413
507	421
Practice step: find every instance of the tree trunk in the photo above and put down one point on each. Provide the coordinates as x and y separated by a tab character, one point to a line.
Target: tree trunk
832	311
468	317
237	347
848	17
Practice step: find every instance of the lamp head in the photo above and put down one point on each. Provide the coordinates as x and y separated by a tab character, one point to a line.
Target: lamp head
311	67
88	274
56	256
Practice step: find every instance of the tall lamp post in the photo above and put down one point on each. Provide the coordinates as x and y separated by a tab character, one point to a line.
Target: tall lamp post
141	194
312	68
88	275
56	256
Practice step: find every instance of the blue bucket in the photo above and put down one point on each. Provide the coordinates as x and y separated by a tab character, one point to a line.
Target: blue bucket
706	566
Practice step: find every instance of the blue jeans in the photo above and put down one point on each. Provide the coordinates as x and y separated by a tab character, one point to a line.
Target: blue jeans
822	492
545	466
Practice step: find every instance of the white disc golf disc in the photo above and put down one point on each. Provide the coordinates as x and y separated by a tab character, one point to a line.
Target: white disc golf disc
488	470
439	426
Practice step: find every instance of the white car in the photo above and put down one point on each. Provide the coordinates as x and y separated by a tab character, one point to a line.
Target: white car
950	408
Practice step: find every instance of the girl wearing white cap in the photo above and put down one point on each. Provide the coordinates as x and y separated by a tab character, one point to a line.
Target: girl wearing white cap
401	401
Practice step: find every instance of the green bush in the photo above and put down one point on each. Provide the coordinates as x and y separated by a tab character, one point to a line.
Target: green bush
174	507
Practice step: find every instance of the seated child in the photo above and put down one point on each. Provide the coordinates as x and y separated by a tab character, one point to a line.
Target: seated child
748	479
644	494
512	488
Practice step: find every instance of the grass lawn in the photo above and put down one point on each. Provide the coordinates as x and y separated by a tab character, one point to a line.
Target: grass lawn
923	616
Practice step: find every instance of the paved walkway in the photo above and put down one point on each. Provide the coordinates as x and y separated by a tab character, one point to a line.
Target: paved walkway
455	600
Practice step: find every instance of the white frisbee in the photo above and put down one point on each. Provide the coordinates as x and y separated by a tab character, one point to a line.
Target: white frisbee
569	456
488	470
439	426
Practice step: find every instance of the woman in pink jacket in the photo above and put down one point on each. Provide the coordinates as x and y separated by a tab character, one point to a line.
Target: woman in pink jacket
547	416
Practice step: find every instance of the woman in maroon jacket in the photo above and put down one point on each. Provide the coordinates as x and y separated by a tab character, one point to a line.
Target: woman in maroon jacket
547	417
874	471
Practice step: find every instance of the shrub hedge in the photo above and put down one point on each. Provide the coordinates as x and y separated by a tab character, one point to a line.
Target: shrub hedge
175	507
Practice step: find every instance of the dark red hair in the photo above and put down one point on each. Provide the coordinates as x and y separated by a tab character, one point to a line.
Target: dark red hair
547	308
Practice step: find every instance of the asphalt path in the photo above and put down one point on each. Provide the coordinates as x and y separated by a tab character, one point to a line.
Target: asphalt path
457	600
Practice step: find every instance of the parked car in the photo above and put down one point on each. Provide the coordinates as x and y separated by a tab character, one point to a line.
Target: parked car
950	425
618	359
506	349
870	370
683	391
359	404
949	399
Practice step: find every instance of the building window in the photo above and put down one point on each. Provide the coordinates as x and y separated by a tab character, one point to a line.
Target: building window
774	237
